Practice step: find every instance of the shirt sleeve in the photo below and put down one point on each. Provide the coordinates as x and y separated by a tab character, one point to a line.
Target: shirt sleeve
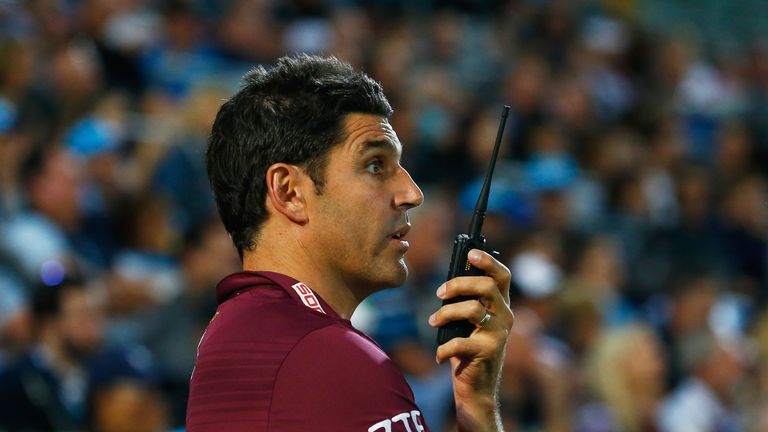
336	379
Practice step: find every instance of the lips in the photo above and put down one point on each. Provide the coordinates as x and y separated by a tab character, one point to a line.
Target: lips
399	237
401	232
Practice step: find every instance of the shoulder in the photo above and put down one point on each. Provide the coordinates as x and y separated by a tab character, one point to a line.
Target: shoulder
343	352
262	315
239	357
16	403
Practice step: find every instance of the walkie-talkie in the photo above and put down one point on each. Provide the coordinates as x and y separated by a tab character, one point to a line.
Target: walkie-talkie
463	243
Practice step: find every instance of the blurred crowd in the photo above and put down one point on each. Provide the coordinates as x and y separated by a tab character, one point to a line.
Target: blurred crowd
630	201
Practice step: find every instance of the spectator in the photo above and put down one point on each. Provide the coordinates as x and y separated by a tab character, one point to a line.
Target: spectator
125	393
625	373
704	401
49	228
46	389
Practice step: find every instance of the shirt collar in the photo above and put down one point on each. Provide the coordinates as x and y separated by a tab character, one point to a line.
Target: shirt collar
297	290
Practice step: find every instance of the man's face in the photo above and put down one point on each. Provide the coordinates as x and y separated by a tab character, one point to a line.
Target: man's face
54	191
358	219
80	323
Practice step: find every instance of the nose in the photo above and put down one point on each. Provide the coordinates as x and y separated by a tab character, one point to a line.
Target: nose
409	194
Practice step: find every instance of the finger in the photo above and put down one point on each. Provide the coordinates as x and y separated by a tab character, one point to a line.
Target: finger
487	295
482	287
471	310
461	348
496	270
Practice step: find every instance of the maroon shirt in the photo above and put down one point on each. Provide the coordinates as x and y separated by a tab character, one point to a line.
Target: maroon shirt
276	357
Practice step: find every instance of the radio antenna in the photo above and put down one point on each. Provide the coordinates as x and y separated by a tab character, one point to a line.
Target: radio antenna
478	217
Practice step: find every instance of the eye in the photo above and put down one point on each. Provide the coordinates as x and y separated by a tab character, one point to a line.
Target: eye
375	167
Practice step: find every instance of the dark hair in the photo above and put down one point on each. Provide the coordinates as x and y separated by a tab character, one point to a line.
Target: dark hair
291	113
47	300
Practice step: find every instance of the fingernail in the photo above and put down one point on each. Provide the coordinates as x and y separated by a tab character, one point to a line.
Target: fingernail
432	319
441	291
474	255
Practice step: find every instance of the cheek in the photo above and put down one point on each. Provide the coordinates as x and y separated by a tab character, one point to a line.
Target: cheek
352	221
336	231
362	229
350	217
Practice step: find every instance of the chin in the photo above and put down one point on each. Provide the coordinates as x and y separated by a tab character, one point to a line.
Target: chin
390	276
399	274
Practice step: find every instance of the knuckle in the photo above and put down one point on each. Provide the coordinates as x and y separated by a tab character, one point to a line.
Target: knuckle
505	274
457	344
487	286
478	308
489	290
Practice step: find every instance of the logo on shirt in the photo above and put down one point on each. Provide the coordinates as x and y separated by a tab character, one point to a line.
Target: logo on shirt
407	419
307	296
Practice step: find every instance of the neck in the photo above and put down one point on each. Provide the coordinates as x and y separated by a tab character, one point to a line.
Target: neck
294	259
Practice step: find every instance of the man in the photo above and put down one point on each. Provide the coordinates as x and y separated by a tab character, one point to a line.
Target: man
46	389
706	400
306	173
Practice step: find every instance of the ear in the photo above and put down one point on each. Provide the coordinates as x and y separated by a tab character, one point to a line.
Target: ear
285	191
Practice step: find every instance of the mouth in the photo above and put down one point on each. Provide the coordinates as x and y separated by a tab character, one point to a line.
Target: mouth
399	235
401	232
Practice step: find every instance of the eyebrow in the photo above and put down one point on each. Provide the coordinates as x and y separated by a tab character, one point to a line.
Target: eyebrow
382	143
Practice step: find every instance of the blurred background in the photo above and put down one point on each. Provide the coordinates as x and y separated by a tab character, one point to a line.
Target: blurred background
630	200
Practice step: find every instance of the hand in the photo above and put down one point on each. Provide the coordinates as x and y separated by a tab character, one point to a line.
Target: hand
476	361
